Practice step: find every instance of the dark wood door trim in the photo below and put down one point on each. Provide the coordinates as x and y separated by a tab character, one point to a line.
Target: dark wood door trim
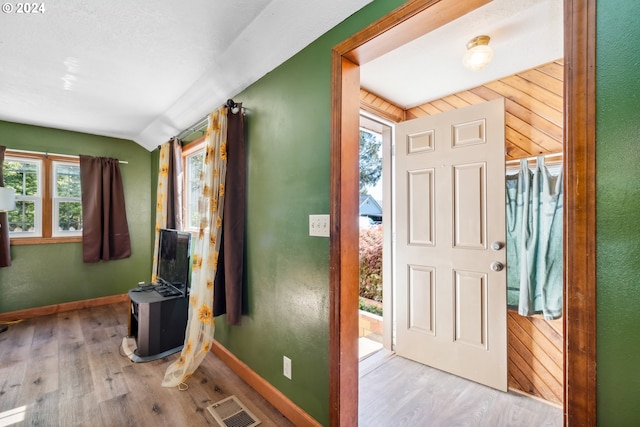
579	162
343	244
580	213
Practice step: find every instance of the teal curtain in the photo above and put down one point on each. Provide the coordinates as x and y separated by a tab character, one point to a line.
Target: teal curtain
534	240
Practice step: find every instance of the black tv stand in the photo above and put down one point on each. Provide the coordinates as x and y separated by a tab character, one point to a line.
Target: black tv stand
157	323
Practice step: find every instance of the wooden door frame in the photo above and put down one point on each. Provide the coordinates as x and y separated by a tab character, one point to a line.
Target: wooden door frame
411	20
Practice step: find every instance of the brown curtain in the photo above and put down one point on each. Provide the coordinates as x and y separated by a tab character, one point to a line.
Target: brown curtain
105	232
174	186
229	276
168	194
5	255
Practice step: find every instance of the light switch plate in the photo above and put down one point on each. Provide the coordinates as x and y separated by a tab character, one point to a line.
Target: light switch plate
286	366
319	225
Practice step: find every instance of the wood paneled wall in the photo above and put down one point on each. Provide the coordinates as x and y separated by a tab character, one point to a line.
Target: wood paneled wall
535	356
534	126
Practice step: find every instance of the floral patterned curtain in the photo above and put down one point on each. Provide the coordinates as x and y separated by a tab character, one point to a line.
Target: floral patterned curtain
169	193
201	325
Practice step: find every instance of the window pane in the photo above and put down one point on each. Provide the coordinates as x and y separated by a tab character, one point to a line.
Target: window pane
67	180
22	219
70	216
22	176
195	165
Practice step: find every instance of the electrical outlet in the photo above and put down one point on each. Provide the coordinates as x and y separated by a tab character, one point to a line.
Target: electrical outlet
319	225
286	366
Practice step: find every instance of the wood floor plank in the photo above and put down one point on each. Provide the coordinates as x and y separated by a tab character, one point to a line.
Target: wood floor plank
15	347
80	411
156	404
11	379
122	411
106	371
43	410
41	376
45	330
74	370
68	327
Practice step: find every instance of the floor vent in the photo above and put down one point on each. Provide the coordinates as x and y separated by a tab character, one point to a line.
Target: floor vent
230	412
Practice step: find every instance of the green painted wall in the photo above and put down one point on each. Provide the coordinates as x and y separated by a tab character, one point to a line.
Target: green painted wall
42	275
155	164
618	208
288	140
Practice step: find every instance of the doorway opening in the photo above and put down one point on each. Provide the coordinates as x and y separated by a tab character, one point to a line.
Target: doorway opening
407	22
535	364
375	235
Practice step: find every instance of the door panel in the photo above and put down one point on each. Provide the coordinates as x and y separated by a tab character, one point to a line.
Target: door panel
469	206
421	299
470	299
450	204
421	203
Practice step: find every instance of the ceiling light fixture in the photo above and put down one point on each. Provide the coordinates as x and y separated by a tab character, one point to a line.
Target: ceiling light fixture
478	53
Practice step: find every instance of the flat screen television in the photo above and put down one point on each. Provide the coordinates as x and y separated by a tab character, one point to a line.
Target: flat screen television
174	256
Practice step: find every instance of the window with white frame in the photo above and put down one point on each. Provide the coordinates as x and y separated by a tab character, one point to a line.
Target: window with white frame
48	197
193	168
66	200
24	175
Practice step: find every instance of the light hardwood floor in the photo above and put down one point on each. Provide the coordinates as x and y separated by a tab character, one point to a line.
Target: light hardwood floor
394	391
68	370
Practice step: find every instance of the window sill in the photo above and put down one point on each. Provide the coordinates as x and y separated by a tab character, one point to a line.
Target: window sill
44	240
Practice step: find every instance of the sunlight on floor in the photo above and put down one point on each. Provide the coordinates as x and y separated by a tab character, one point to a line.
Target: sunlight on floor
12	416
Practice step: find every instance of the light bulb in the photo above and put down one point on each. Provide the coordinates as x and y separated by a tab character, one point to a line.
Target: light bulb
478	53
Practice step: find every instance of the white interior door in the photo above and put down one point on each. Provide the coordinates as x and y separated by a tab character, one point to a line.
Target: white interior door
451	311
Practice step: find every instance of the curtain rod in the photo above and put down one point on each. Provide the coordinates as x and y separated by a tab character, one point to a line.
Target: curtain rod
202	123
46	154
533	158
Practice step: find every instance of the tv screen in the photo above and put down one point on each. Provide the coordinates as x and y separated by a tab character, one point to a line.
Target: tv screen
174	255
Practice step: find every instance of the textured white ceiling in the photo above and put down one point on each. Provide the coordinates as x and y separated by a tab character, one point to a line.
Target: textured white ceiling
147	69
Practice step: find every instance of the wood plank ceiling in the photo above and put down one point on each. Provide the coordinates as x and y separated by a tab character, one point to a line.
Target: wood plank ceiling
533	104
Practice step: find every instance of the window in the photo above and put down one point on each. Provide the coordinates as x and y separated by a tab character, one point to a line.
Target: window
25	177
48	197
193	166
66	200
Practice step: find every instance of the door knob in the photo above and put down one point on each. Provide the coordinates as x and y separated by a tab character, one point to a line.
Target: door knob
497	266
496	246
